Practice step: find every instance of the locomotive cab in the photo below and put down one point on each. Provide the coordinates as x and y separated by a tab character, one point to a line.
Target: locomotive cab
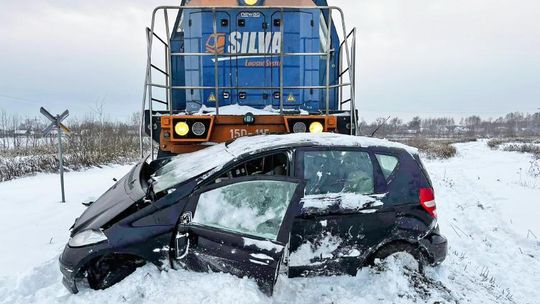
246	67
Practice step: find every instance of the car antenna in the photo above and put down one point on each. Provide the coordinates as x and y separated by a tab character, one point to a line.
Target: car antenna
380	126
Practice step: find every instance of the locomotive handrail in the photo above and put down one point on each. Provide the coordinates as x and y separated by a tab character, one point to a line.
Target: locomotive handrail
334	86
251	54
157	36
148	92
281	59
351	70
160	70
159	101
341	51
345	101
216	69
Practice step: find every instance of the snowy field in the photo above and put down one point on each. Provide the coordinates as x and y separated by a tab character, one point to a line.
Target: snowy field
488	206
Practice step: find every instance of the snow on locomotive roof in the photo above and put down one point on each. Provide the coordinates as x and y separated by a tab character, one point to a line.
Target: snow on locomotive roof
186	166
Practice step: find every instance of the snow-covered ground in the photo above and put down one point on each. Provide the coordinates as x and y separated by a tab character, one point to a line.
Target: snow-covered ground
488	208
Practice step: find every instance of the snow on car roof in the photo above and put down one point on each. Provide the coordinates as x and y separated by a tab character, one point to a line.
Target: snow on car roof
186	166
254	144
189	165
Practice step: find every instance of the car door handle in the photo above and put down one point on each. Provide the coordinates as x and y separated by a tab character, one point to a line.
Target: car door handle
179	237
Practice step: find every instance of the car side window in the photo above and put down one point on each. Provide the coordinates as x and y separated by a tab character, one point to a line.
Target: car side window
388	164
338	172
254	208
271	165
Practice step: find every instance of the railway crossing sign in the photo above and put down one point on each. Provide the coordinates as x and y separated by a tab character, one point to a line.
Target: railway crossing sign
56	124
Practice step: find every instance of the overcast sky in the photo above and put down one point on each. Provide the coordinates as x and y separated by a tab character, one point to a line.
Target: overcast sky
426	57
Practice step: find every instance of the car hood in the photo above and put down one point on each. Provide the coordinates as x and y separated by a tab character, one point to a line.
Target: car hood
116	200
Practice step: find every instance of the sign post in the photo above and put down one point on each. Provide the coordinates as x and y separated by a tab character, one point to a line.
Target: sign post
56	124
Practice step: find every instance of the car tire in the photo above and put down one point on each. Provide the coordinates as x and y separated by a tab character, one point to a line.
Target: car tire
395	248
108	271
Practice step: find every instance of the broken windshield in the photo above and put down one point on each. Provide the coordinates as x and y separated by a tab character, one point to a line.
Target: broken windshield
186	166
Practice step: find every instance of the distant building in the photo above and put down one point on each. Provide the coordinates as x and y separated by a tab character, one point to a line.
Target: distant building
21	132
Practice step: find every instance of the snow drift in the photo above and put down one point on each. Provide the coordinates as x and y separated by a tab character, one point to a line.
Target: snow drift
488	208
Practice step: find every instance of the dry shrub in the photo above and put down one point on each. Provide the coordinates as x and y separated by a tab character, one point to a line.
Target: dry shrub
523	148
90	144
497	142
11	168
432	148
534	170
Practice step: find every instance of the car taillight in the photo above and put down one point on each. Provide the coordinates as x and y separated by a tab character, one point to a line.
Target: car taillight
427	200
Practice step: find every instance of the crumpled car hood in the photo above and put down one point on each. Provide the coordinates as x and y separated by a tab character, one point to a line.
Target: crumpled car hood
116	200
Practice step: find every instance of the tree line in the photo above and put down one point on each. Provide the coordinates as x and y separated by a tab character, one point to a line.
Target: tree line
511	125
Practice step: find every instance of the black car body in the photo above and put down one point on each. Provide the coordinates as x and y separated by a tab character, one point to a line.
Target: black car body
310	204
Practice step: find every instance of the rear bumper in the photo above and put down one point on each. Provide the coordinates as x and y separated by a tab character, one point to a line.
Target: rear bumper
436	246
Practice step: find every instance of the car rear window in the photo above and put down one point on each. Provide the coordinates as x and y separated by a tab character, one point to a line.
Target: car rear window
423	168
388	164
338	172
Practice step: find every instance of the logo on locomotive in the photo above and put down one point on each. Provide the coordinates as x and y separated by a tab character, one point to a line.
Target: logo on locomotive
244	43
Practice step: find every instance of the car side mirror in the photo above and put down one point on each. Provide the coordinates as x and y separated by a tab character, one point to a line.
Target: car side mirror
186	218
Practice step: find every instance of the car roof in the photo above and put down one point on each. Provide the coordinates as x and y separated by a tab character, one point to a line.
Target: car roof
189	165
262	143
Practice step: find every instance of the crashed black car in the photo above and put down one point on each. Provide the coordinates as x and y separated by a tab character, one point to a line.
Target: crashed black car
303	205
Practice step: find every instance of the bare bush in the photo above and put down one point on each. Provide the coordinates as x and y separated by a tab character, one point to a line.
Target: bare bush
523	148
91	143
497	142
433	148
534	169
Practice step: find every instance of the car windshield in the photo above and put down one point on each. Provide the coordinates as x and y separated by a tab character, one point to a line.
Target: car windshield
185	166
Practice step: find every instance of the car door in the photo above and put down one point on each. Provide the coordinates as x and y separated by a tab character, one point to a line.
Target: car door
239	227
344	212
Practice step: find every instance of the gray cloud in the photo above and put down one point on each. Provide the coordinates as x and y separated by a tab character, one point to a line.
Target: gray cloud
447	57
433	57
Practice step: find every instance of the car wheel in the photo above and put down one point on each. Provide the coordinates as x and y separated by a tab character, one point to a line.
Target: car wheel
107	271
417	262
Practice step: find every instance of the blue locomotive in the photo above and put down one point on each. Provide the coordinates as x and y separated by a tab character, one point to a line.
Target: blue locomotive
241	67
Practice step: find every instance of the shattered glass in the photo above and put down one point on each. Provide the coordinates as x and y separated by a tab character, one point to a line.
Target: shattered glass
255	207
338	172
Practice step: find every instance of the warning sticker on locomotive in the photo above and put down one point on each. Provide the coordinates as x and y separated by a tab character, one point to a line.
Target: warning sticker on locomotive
291	98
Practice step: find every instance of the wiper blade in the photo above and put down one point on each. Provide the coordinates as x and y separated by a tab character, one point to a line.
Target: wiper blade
88	204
